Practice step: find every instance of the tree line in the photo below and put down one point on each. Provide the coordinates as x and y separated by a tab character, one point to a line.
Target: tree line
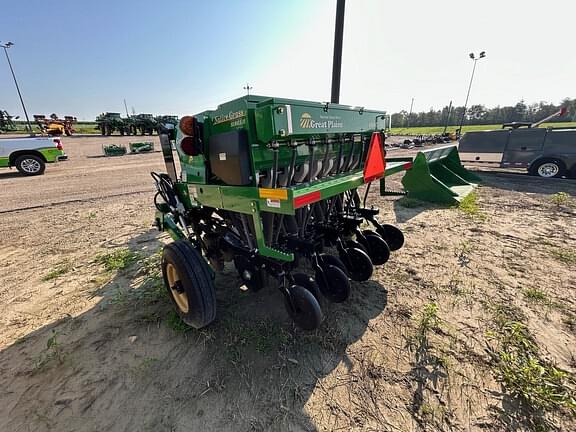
479	114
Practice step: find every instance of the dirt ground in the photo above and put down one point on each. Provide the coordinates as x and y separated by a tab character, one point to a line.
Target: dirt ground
416	348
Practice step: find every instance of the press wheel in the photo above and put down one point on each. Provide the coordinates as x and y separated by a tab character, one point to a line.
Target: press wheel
309	283
358	263
303	308
327	259
333	283
378	249
393	236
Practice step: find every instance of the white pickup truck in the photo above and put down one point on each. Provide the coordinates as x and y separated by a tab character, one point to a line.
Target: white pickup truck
30	155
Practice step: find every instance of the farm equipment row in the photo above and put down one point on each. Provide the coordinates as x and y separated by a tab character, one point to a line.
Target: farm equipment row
7	122
272	185
54	126
143	124
422	140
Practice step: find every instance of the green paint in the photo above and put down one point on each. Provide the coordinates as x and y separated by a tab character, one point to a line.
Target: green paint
298	128
166	222
437	175
50	153
4	162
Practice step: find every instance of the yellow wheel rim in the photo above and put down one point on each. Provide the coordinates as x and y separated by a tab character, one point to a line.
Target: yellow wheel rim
181	299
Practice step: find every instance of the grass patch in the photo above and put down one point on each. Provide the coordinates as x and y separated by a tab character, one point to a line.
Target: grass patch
52	352
463	253
560	199
567	256
266	336
427	321
144	368
59	270
469	206
410	202
174	321
152	289
538	384
118	259
121	297
535	295
433	130
80	127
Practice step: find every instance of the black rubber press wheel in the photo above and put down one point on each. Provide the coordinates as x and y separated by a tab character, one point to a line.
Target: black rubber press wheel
358	263
334	283
378	249
189	283
327	259
309	283
355	244
303	308
393	236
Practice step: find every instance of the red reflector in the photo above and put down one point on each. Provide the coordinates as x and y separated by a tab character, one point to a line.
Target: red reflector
375	165
190	146
309	198
187	125
58	144
407	165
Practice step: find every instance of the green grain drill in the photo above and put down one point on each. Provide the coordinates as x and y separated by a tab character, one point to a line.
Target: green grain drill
272	185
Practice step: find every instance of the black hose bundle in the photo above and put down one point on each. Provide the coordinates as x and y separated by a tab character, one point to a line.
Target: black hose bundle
165	189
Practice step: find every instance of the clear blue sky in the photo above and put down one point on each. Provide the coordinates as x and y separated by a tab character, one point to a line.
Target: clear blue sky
180	57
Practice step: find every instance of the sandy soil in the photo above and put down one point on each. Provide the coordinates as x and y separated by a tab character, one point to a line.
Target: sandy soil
94	350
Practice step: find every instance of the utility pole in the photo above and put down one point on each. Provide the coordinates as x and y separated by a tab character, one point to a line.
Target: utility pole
473	57
247	88
6	46
410	114
126	108
447	118
337	59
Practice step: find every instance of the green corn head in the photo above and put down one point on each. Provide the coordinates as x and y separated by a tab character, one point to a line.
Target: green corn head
114	150
141	147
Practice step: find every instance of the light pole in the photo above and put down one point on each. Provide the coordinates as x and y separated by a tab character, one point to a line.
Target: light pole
473	57
6	46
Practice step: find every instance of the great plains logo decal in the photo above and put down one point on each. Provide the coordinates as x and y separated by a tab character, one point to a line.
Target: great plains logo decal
325	122
306	121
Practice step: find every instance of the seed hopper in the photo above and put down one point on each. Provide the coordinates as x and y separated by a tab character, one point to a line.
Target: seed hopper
272	185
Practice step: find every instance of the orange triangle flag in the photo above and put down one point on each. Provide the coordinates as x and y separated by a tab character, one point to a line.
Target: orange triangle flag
375	165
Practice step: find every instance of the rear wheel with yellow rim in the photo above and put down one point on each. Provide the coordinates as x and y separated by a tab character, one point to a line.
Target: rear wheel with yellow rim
189	283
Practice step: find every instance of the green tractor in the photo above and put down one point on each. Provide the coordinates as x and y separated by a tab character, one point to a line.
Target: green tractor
7	122
108	123
272	185
145	124
166	123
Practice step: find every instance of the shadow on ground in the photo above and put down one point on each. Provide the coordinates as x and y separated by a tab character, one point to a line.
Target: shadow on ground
522	182
13	173
128	363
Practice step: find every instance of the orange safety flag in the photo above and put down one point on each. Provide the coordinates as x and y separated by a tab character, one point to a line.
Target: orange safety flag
375	165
